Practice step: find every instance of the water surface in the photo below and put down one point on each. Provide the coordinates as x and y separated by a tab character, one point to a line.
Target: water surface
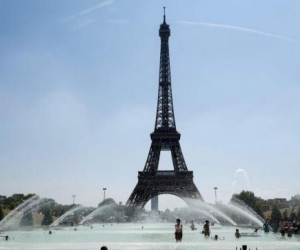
159	236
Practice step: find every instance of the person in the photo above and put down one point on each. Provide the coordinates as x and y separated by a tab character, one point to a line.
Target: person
104	248
297	226
178	231
206	229
266	226
282	226
193	226
237	233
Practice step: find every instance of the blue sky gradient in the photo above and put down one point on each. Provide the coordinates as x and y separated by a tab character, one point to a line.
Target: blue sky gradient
78	94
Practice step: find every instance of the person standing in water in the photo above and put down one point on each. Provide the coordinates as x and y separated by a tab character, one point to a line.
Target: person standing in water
193	226
266	226
237	233
178	231
206	230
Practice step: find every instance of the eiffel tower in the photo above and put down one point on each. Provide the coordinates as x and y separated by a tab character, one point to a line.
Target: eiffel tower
152	182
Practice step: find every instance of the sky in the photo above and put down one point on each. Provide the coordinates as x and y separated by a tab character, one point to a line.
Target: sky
78	95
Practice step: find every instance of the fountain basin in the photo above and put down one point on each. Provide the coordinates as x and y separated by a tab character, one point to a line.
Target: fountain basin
156	236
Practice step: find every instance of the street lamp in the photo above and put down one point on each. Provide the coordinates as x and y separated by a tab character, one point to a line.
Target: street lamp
104	189
73	196
215	188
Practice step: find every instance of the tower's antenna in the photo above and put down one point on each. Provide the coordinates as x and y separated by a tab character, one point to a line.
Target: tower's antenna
164	14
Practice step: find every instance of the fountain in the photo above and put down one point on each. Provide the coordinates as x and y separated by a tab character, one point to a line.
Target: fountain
210	208
13	219
65	215
91	218
247	213
207	214
138	236
141	235
223	211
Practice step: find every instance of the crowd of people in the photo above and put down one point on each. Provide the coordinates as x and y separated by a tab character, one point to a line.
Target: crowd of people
289	227
286	227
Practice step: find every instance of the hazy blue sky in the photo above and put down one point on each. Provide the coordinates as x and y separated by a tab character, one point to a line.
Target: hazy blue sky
78	95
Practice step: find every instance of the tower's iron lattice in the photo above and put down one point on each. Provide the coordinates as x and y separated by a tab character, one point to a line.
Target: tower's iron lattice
152	182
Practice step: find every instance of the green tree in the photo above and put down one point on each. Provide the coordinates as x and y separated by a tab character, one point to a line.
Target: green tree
107	201
298	213
295	200
48	219
27	219
293	215
57	210
247	197
275	218
250	200
2	199
107	211
285	214
1	213
13	201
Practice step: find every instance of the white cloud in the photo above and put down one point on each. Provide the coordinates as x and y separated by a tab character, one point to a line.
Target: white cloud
231	27
86	22
89	10
118	21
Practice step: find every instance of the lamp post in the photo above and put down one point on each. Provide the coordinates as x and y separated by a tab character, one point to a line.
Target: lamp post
73	196
215	188
104	189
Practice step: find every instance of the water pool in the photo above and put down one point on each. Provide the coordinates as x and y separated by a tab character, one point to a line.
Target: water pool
156	236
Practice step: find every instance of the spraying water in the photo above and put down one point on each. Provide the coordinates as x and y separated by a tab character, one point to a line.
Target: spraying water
208	207
242	209
206	213
12	220
66	214
97	212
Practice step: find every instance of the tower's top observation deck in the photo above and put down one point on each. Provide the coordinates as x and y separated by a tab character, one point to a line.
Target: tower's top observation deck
164	27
